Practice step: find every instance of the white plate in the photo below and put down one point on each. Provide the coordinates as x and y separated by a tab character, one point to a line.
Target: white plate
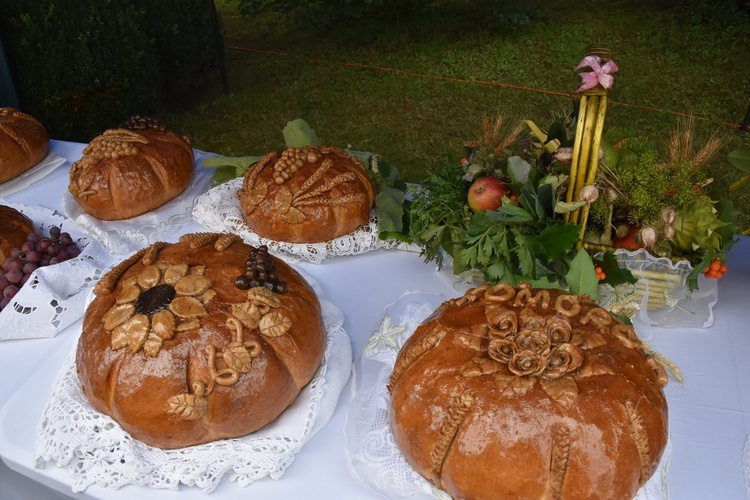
38	171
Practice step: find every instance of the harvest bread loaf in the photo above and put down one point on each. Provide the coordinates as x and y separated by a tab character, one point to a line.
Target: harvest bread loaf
23	143
14	229
306	195
197	341
131	170
515	393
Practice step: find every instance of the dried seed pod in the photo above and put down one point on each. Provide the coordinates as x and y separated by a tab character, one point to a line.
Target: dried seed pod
648	236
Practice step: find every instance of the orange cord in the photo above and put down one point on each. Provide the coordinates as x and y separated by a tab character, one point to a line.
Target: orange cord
464	80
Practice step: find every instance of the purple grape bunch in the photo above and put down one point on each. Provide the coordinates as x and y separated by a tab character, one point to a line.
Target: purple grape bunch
37	251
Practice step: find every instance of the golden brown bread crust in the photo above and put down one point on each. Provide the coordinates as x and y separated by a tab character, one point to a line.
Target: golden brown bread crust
306	195
125	173
14	228
516	393
23	143
210	379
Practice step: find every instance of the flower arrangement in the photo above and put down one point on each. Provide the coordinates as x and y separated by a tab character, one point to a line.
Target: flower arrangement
501	211
663	202
552	208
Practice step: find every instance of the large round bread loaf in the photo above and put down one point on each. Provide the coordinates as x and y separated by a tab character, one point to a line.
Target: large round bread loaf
306	195
14	229
515	393
23	143
131	170
181	347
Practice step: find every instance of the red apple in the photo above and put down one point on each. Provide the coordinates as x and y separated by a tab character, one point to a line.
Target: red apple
486	193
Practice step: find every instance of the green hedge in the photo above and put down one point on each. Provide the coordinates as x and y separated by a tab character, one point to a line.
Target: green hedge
82	67
314	15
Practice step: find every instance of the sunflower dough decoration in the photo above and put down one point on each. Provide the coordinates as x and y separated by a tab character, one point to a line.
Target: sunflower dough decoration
23	143
130	170
179	355
306	195
510	392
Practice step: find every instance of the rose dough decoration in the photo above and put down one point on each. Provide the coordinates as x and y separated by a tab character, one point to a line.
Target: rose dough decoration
509	392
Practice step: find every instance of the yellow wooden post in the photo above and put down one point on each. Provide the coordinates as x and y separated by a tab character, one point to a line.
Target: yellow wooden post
585	159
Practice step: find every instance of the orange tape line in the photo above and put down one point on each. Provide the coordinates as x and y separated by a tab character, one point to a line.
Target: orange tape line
464	80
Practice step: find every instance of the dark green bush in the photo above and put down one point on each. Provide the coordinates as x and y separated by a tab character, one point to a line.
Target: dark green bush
317	14
185	38
82	67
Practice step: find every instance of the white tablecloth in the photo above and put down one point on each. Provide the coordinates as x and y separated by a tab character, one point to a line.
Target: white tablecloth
709	413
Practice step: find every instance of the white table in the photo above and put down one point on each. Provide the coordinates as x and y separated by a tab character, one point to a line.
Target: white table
709	413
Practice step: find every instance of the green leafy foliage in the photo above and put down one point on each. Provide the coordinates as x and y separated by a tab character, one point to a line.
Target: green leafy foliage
389	205
663	190
298	134
726	213
740	158
228	168
439	216
523	240
581	277
615	275
557	239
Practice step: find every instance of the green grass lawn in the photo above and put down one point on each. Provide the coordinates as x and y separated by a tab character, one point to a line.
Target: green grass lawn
414	91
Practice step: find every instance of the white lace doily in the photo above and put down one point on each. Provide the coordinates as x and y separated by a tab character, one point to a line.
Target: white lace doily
45	167
130	235
94	449
372	454
219	210
54	296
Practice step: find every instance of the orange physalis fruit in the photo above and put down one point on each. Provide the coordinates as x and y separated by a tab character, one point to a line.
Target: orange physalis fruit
715	270
600	275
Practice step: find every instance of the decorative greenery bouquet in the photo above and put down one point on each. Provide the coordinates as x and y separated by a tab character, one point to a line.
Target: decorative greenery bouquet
664	201
501	210
512	230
